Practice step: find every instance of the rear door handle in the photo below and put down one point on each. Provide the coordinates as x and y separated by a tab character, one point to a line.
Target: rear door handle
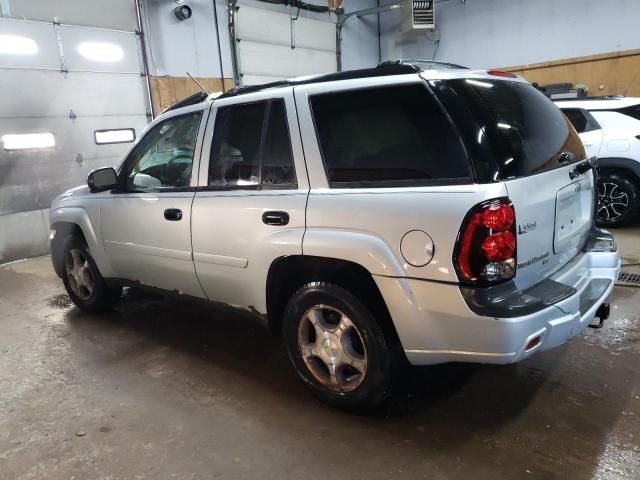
173	214
275	218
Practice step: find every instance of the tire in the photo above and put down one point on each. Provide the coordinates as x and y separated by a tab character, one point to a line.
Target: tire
82	279
618	200
353	342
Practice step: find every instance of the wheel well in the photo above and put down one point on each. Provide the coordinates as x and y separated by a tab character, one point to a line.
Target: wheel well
63	230
630	174
288	274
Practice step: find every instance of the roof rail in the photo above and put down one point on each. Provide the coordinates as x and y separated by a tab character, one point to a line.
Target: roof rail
419	63
379	71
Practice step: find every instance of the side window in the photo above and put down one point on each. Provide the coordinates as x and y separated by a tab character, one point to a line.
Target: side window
251	147
577	119
581	120
386	136
164	156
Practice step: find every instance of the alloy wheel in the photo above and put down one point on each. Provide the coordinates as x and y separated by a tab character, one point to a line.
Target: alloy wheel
613	201
79	274
332	348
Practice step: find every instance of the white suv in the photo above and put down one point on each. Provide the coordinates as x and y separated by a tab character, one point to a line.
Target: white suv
372	217
610	130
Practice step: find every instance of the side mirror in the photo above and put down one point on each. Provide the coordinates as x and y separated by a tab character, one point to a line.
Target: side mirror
102	179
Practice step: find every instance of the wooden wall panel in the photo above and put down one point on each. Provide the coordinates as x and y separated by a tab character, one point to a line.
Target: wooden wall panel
615	73
165	91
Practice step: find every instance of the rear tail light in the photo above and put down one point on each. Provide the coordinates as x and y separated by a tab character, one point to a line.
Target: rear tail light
485	251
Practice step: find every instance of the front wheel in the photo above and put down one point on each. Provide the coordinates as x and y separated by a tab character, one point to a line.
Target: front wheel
618	200
82	279
337	347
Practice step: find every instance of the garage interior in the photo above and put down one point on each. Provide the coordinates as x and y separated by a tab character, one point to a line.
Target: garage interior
159	388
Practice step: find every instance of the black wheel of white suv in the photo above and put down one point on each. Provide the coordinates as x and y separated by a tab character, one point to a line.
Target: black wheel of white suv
618	200
82	279
337	347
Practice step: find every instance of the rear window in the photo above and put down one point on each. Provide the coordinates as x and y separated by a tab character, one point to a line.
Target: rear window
581	120
388	136
527	132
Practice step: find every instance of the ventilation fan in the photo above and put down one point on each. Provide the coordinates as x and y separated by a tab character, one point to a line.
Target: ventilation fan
418	15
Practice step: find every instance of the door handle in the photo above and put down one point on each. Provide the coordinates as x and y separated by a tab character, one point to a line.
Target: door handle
173	214
275	218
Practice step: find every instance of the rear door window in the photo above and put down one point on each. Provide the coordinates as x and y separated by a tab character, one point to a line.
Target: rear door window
527	132
252	147
387	136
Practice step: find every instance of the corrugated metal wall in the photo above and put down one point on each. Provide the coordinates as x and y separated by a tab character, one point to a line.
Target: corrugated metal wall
70	79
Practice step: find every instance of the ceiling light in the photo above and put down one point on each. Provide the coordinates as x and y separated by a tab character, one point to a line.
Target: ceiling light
100	51
26	141
15	45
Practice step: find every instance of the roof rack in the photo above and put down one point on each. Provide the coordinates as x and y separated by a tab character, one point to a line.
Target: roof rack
381	70
419	63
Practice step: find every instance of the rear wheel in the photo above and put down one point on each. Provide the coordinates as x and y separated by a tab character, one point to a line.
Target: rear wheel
618	200
82	279
337	347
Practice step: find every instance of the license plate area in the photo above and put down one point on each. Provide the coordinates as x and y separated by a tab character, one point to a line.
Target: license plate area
573	215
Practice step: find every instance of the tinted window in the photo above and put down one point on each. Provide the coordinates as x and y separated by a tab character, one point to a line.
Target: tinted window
577	119
527	132
387	136
246	154
164	156
581	120
277	160
633	111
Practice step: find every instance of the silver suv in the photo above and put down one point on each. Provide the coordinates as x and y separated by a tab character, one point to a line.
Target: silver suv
372	217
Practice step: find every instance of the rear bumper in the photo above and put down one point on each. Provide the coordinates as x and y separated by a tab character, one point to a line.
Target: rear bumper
436	324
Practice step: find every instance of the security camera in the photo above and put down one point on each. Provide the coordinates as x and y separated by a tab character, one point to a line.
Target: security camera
182	11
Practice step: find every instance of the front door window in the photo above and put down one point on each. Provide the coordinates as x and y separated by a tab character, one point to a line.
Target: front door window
164	157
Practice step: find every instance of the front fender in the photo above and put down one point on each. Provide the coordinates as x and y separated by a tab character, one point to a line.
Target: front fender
365	249
80	217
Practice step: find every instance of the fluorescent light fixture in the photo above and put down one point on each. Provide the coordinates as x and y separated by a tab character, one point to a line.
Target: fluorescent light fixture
15	45
480	84
101	51
28	141
120	135
504	126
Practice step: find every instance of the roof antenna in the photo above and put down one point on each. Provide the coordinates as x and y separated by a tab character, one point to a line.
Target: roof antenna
197	83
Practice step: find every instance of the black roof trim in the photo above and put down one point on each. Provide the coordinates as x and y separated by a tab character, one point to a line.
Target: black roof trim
194	99
417	63
379	71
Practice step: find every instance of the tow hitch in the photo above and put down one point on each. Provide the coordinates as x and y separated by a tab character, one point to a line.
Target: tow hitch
601	314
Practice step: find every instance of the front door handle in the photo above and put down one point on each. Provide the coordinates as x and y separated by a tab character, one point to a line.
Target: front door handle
275	218
173	214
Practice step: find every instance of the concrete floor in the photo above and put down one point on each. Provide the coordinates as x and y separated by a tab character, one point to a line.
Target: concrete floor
159	389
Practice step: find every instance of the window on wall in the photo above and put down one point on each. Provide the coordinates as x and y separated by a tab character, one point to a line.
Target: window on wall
118	135
251	147
386	136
